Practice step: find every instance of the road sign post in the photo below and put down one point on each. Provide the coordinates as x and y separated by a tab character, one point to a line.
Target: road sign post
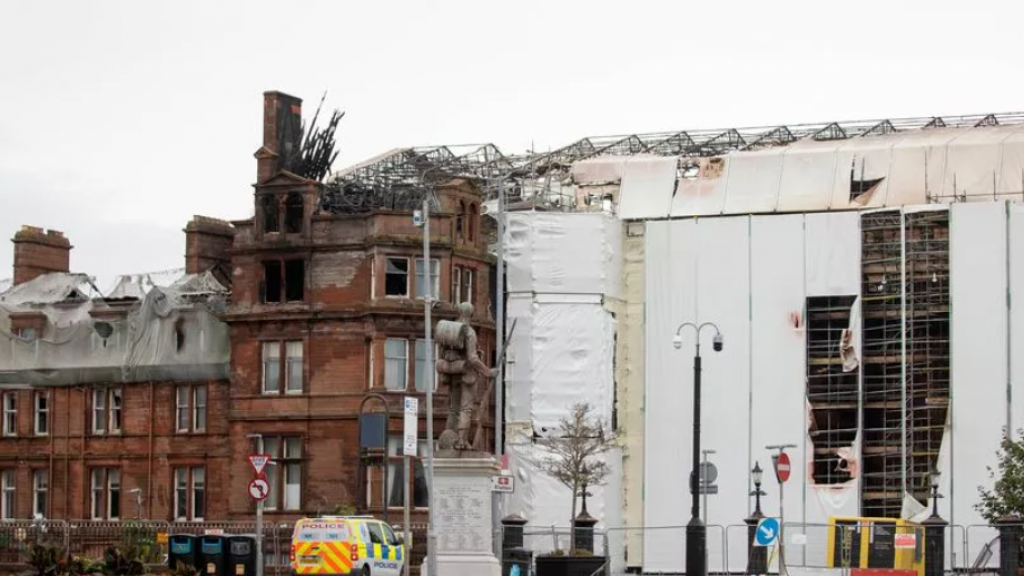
259	489
409	446
782	471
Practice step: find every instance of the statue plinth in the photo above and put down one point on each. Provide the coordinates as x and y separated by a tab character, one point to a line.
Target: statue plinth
461	505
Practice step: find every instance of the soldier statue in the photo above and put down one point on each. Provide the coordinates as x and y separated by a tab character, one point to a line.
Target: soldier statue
460	367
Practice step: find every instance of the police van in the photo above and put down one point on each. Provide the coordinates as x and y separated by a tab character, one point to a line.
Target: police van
359	545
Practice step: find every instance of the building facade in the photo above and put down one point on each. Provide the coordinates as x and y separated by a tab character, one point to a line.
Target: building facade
145	402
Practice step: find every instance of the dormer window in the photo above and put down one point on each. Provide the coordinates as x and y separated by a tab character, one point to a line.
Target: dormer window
295	212
460	220
271	214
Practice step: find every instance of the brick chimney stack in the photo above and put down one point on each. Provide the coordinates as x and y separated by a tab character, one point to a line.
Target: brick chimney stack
207	243
282	122
38	252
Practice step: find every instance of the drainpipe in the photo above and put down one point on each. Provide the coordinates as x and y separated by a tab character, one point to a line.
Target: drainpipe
149	478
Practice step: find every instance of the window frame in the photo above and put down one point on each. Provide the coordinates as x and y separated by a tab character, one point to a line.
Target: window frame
434	276
10	414
282	265
408	270
196	388
194	511
102	490
104	412
456	288
8	489
390	359
40	489
285	364
397	460
41	414
182	408
278	469
115	410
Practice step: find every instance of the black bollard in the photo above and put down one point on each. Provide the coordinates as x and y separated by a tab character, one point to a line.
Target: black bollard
512	531
583	529
1009	544
757	556
935	546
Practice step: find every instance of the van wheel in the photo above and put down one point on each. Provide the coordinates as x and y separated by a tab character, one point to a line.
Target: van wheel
366	571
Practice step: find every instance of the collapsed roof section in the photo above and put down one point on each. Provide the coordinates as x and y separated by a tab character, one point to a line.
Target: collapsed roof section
138	332
398	179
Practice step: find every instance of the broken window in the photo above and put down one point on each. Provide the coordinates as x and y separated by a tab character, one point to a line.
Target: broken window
271	214
294	213
272	281
396	277
832	386
179	334
460	220
295	280
472	224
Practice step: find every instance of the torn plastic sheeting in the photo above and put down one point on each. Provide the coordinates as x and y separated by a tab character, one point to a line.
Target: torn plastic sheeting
47	289
700	196
647	186
808	175
600	170
572	362
863	160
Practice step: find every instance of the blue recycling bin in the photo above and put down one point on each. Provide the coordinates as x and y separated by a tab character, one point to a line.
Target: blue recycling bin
213	557
182	548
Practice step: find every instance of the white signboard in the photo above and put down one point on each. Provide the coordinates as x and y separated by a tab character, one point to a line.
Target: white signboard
503	484
412	406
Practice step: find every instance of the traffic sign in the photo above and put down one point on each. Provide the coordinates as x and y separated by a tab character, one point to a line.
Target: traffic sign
411	422
906	540
710	490
782	467
503	483
259	462
708	473
767	532
259	489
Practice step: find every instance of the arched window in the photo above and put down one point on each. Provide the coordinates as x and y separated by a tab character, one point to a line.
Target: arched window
294	213
271	214
474	221
460	220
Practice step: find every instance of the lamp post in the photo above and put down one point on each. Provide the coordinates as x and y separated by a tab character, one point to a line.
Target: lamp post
696	531
757	556
934	533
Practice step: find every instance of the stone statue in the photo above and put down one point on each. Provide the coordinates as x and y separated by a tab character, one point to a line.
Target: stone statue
460	367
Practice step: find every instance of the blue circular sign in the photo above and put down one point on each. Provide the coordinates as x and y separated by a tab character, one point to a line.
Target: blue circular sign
767	532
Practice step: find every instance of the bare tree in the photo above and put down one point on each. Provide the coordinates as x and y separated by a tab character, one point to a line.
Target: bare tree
576	451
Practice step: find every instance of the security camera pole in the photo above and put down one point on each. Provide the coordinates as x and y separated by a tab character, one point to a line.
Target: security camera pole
696	531
424	218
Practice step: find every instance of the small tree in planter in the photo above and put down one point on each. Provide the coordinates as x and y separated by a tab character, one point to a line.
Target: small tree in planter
1006	498
576	464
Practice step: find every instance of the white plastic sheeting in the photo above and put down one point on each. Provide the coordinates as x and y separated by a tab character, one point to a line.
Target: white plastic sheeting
749	275
549	252
546	503
810	175
562	269
172	334
979	317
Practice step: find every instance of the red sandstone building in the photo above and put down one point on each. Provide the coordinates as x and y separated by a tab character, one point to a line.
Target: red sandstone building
146	402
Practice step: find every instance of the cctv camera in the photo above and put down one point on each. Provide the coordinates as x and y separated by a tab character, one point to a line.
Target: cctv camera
718	343
677	341
417	218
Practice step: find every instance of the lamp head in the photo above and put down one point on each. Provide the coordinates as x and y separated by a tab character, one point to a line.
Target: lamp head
757	474
719	342
935	477
677	341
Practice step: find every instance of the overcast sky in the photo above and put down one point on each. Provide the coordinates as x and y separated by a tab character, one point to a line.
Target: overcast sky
119	120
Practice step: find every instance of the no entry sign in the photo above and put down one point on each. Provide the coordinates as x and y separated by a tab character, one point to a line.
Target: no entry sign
782	467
